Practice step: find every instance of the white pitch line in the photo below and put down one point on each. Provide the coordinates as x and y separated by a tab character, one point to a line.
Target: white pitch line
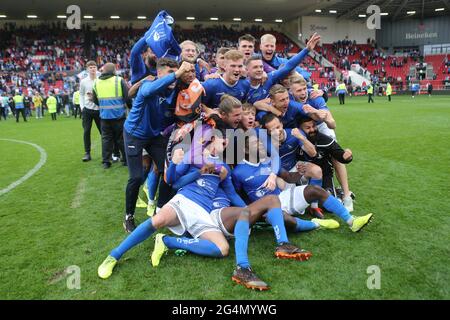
79	193
41	162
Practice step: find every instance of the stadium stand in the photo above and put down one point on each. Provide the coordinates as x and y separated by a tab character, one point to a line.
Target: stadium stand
49	56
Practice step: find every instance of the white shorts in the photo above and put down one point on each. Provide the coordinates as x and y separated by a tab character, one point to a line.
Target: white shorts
323	128
217	220
193	218
293	200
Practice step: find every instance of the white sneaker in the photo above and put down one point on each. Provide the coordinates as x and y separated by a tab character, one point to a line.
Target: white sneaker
348	204
115	159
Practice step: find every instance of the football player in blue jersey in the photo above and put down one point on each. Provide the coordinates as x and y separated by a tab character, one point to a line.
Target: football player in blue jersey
289	110
142	61
190	53
288	142
230	83
251	174
219	69
255	71
188	212
248	119
148	117
246	45
326	125
271	61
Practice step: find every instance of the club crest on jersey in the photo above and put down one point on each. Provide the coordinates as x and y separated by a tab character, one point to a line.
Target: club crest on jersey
201	182
266	170
260	193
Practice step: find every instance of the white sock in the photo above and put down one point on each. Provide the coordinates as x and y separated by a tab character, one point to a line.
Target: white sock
350	221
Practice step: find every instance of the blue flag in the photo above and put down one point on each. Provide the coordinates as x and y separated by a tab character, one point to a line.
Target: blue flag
160	37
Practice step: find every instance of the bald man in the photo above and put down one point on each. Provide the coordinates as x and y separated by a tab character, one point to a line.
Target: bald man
110	93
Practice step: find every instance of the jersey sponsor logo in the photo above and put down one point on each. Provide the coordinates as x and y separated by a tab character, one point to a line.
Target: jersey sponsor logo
156	36
249	178
216	204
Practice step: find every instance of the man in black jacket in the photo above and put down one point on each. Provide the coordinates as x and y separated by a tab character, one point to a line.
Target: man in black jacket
327	149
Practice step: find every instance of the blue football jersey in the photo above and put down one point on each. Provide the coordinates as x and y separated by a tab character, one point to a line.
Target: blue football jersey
251	176
216	88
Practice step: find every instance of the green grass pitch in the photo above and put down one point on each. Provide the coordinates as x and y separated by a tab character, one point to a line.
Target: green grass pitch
70	213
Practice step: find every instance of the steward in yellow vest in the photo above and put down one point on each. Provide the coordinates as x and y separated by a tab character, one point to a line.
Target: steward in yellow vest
110	93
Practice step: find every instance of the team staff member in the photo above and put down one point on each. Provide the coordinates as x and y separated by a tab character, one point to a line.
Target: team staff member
110	93
19	106
89	109
147	119
327	149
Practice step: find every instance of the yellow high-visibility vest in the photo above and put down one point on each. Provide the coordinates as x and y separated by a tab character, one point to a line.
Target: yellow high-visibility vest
18	101
76	97
110	97
388	89
51	104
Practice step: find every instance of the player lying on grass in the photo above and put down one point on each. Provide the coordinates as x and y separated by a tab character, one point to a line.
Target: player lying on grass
257	209
226	218
188	212
251	175
180	168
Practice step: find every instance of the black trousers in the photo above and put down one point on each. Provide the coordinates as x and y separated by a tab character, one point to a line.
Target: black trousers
89	116
156	148
53	114
389	97
20	111
370	98
3	113
76	110
341	98
112	135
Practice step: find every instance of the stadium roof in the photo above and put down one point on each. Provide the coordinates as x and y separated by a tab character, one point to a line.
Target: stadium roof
391	9
247	10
